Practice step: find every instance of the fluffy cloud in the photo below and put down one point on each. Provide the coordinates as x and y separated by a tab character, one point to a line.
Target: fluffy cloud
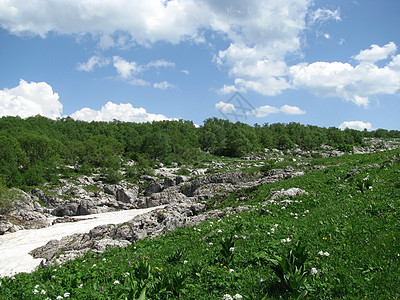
355	84
266	110
262	33
376	53
123	112
225	107
30	99
94	61
125	68
163	85
292	110
358	125
38	98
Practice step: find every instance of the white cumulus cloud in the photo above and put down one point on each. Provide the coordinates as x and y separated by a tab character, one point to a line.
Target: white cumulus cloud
225	107
358	125
30	99
125	68
292	110
376	53
262	32
352	83
266	110
94	61
123	112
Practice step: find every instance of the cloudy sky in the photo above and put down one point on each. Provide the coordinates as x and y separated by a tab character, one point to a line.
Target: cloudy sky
325	63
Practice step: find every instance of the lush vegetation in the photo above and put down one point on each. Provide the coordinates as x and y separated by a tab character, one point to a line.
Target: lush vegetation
37	150
339	241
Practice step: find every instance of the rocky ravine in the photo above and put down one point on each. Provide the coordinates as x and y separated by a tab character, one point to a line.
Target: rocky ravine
181	200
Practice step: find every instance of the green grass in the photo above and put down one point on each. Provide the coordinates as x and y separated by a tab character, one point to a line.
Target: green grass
358	226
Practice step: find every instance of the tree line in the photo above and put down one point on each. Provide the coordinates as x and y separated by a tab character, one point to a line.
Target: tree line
37	149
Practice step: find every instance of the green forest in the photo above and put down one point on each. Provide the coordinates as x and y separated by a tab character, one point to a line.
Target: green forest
37	149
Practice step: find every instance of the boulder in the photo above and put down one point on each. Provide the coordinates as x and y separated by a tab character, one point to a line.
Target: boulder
127	195
168	182
292	192
152	188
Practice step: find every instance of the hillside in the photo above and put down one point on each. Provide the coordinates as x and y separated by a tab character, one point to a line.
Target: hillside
343	210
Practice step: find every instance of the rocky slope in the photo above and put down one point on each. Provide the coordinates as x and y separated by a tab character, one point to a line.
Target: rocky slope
181	196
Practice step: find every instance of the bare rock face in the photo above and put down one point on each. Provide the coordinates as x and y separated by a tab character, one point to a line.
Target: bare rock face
25	213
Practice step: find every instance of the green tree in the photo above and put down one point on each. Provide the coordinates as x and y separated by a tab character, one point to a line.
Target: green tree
12	160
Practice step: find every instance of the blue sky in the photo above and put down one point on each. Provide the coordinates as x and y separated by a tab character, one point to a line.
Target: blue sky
326	63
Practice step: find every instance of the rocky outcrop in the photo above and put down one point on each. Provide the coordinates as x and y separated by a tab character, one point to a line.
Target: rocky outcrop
88	195
237	179
24	213
179	214
155	223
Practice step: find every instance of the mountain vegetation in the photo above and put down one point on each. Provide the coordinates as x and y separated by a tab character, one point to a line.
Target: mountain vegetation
37	149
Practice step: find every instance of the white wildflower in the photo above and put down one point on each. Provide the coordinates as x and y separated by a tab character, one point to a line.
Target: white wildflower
314	271
211	243
80	286
43	292
231	270
66	295
238	296
219	231
116	282
185	262
231	249
227	297
276	225
127	274
59	297
35	291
